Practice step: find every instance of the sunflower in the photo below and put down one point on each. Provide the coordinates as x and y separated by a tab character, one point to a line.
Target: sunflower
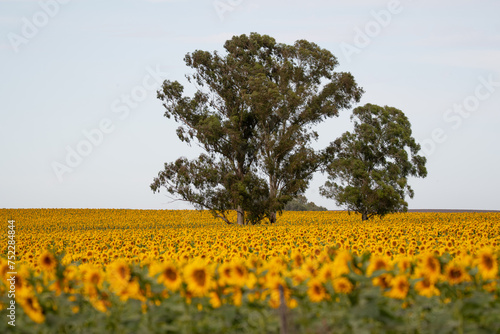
118	275
274	283
404	264
316	291
100	304
311	266
170	277
326	273
297	258
21	282
237	296
70	273
92	281
430	267
426	288
32	308
401	250
490	287
399	287
47	261
341	263
133	290
455	273
4	269
299	275
94	277
253	262
198	278
251	281
342	285
377	263
383	281
225	274
215	300
239	274
487	264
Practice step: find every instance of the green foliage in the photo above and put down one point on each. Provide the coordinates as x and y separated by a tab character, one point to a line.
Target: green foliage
369	168
460	308
252	113
300	203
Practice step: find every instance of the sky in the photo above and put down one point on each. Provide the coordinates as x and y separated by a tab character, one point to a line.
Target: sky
81	127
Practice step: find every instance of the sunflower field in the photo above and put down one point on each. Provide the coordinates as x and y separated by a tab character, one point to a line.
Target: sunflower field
159	271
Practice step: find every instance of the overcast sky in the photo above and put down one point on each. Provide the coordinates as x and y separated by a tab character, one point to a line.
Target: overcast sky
81	127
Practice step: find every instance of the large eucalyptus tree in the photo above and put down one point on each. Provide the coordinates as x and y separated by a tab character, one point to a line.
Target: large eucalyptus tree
254	114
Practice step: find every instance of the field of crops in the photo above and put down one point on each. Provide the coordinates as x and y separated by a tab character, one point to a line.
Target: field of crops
146	271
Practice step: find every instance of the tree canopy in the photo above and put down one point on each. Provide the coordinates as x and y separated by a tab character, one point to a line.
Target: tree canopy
300	203
369	168
253	114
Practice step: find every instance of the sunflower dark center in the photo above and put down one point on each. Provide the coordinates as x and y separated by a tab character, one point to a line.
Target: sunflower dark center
455	273
240	271
171	274
488	261
431	264
200	277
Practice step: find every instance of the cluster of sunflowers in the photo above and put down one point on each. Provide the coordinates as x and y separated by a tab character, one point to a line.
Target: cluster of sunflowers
88	262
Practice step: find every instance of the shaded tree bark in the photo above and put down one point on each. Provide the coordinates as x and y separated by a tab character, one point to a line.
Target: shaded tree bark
240	220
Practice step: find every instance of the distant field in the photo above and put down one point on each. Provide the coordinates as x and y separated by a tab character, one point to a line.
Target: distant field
142	271
451	210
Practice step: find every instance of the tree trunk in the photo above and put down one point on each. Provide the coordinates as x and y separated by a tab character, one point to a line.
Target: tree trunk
241	216
364	216
272	217
273	191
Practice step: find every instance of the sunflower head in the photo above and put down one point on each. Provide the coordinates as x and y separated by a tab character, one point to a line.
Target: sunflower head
297	258
32	308
310	266
170	276
429	267
239	273
426	288
47	261
327	272
93	277
341	263
401	250
215	300
225	273
487	264
119	275
342	285
198	278
399	287
377	263
316	290
383	281
404	264
4	269
455	273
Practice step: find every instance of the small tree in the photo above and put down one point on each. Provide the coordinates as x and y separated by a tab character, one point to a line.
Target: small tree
369	168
